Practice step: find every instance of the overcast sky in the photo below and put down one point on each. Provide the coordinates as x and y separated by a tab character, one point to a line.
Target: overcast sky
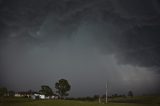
87	42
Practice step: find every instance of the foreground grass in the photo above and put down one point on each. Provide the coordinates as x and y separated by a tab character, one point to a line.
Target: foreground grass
138	100
29	102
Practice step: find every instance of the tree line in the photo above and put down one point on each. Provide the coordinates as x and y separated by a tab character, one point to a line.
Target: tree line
97	97
62	88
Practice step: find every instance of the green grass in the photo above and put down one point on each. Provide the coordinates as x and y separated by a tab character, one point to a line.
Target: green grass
154	101
138	99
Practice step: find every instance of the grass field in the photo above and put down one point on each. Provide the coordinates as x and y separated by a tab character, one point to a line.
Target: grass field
142	101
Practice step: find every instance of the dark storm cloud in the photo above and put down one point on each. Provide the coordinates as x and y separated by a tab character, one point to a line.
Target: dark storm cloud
21	17
136	39
75	38
141	46
130	29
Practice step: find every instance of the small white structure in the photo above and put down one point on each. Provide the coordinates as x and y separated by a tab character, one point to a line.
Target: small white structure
23	94
38	96
17	95
54	97
42	96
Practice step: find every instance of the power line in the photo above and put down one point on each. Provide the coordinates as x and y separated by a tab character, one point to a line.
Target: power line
106	93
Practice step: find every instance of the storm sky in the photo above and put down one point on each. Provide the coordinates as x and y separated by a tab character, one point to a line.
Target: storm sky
87	42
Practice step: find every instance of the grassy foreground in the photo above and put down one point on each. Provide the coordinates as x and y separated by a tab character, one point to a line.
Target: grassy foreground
29	102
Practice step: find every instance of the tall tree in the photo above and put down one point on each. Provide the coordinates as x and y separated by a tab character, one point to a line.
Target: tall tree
62	87
46	90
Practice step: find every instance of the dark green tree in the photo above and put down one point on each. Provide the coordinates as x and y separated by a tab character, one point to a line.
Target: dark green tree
62	87
3	91
130	93
46	90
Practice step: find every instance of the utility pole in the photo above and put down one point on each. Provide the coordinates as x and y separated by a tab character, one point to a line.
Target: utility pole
99	99
106	94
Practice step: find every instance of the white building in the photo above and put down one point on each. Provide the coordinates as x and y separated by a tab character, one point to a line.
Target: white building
41	96
38	96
